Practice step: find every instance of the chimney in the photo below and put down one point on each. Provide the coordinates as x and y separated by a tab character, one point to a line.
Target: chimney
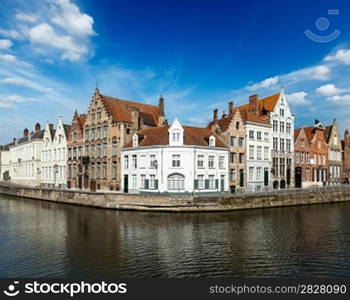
215	114
37	127
14	139
253	104
135	117
230	108
161	106
25	132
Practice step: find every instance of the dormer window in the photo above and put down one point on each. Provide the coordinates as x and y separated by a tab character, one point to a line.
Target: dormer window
212	141
176	134
135	140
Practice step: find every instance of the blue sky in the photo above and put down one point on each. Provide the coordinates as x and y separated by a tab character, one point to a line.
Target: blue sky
198	54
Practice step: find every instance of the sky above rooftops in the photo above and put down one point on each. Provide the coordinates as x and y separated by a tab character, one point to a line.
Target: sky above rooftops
198	54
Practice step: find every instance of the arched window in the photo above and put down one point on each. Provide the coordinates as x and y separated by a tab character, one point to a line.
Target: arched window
176	182
237	125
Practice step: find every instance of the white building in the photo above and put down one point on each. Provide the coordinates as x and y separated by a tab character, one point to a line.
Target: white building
25	157
258	151
54	155
175	159
4	163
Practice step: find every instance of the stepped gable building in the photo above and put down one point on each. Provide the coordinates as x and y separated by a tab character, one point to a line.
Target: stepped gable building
110	124
175	159
332	138
276	110
231	129
318	154
77	171
346	157
302	154
25	157
54	155
5	163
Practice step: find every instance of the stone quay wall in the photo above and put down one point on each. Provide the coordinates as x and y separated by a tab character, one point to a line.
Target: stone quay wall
182	203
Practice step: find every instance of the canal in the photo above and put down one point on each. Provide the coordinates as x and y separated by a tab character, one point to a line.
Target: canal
42	239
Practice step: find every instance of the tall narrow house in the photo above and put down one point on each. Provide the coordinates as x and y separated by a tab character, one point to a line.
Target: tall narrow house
346	157
231	129
332	138
110	124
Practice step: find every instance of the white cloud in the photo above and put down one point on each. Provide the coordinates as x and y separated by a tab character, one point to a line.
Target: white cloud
27	17
329	90
298	98
342	55
11	59
5	44
320	72
44	34
266	83
10	100
341	100
25	83
13	34
72	20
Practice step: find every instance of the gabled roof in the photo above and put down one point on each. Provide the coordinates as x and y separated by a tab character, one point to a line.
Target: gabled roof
327	133
194	136
121	110
81	120
248	116
66	128
267	103
296	133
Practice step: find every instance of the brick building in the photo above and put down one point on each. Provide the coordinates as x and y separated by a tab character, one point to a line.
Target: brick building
346	157
318	154
231	129
77	176
110	124
302	154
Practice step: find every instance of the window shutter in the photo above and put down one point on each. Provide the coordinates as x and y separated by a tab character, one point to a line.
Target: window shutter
216	183
146	184
196	184
156	184
207	184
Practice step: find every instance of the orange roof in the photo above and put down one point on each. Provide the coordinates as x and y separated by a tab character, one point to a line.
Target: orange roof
194	136
81	120
267	103
121	110
248	116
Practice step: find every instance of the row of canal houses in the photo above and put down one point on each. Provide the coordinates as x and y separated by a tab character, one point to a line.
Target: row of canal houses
127	146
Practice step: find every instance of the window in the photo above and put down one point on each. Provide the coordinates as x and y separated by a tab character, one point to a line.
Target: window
211	182
275	144
258	173
176	136
134	161
176	160
275	126
232	140
142	161
282	112
288	127
233	174
251	134
152	159
221	162
105	131
258	154
282	144
152	181
142	181
104	149
98	115
251	152
237	125
212	141
266	136
211	162
251	173
200	161
133	181
114	148
87	134
232	157
282	127
99	150
114	170
126	162
266	153
307	174
104	170
258	135
241	142
200	179
241	158
176	182
98	171
288	145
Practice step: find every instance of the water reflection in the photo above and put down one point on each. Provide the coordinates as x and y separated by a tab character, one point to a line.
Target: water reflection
55	240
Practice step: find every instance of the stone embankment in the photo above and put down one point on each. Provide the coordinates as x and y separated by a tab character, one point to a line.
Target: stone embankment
182	203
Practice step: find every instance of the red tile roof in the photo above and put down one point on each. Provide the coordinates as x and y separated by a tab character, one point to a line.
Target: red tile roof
267	103
121	110
296	133
81	120
194	136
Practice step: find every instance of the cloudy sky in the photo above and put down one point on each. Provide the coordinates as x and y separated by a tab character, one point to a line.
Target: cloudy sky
198	54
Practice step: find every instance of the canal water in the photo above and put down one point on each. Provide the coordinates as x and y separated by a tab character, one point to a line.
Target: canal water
41	239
